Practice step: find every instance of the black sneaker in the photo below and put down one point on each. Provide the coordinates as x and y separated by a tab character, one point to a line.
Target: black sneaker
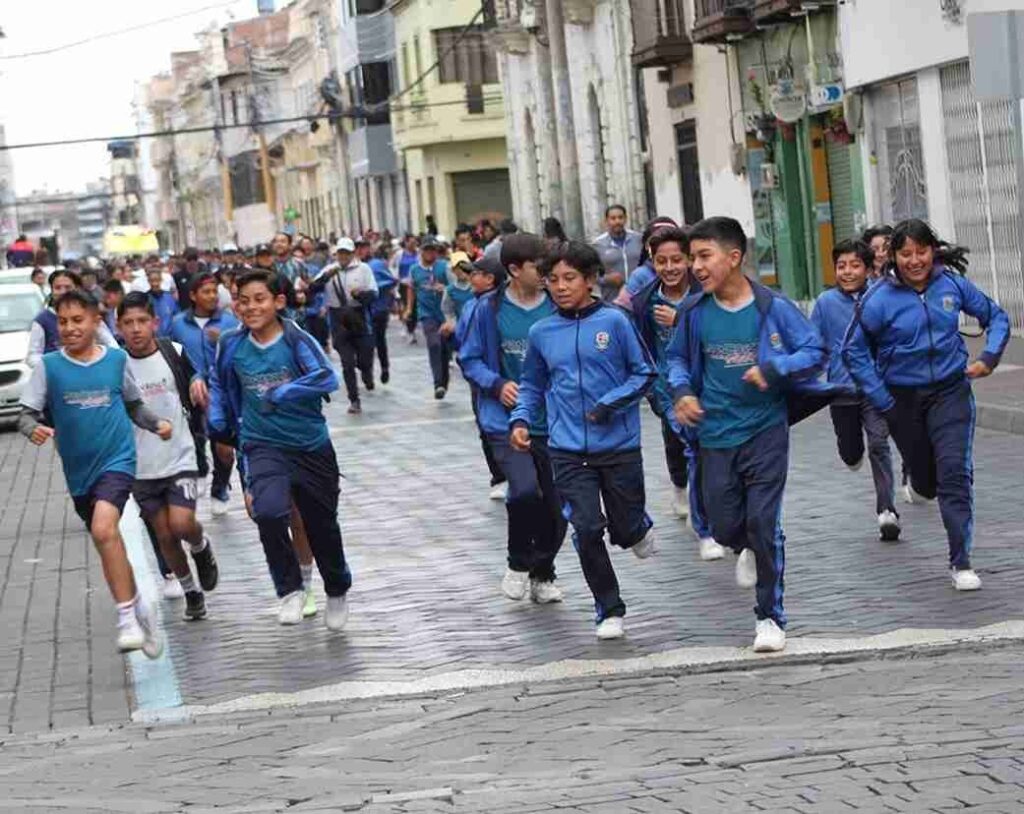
368	385
195	606
355	408
440	392
385	376
206	567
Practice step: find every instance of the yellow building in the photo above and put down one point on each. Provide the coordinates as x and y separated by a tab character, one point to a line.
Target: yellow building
449	129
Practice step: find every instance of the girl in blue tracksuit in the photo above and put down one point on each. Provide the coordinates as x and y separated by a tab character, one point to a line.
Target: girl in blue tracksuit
655	311
905	350
588	368
854	417
742	366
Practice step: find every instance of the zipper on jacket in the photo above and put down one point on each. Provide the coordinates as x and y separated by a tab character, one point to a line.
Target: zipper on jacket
931	343
579	376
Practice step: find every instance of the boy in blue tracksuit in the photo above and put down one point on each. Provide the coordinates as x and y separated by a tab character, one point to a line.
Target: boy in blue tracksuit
742	366
587	368
267	388
854	417
486	275
655	309
164	304
197	329
905	350
492	352
428	280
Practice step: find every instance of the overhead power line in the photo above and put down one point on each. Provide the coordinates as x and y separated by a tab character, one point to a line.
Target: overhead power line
349	114
107	34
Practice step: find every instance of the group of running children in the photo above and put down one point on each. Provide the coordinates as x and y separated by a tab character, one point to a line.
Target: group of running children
557	377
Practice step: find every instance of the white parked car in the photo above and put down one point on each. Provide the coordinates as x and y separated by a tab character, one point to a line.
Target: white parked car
19	304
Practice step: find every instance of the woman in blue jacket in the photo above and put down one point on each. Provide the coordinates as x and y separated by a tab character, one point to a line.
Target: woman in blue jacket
905	351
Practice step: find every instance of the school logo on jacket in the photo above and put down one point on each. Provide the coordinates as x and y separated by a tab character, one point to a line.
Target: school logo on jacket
948	303
776	341
602	339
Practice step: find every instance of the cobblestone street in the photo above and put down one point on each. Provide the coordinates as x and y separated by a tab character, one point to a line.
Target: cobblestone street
426	547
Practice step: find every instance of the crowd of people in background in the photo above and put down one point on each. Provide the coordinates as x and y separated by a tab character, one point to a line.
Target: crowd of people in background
225	366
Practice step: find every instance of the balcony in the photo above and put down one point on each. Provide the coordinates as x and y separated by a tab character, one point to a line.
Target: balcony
720	21
767	12
659	34
371	151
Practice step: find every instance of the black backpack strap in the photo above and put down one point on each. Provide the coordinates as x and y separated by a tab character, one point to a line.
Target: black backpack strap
182	371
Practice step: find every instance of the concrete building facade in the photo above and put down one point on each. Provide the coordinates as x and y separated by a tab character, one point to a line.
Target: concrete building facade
449	125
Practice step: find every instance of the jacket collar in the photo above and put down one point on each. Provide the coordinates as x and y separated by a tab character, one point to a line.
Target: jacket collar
894	277
762	297
583	313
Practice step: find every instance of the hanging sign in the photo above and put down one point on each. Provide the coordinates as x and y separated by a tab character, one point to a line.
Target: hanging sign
788	101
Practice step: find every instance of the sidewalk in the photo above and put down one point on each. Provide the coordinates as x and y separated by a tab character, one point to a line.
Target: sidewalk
878	736
1000	397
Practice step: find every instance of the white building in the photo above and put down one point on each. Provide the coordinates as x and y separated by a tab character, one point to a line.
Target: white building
931	150
574	126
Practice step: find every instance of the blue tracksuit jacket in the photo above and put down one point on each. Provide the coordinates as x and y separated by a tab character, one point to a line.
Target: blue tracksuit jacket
385	287
908	339
224	417
590	368
791	353
165	307
832	315
476	335
201	351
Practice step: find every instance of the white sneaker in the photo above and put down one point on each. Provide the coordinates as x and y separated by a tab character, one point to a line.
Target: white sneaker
647	547
770	637
710	550
153	641
130	635
889	526
202	487
290	612
337	612
857	466
308	603
746	569
611	628
966	580
171	588
912	497
680	502
218	508
515	584
498	491
544	593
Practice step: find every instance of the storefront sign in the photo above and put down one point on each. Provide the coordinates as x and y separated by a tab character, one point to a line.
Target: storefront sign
788	101
827	95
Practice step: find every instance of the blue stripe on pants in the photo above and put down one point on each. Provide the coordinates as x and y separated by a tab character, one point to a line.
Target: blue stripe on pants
743	488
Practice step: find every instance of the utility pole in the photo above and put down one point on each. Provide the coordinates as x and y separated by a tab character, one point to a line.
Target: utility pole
567	157
269	193
225	169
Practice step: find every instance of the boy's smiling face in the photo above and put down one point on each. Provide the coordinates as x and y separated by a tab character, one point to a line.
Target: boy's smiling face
671	263
258	305
77	326
851	273
714	263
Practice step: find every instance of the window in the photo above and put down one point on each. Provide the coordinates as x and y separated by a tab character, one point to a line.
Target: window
356	7
465	57
246	180
689	171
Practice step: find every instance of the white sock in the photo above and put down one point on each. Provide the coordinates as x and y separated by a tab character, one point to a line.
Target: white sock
126	611
188	584
307	575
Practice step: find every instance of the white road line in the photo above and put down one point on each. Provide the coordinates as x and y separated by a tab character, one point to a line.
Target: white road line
703	659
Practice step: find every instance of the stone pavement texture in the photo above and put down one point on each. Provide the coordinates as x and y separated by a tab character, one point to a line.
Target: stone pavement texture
427	550
933	734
